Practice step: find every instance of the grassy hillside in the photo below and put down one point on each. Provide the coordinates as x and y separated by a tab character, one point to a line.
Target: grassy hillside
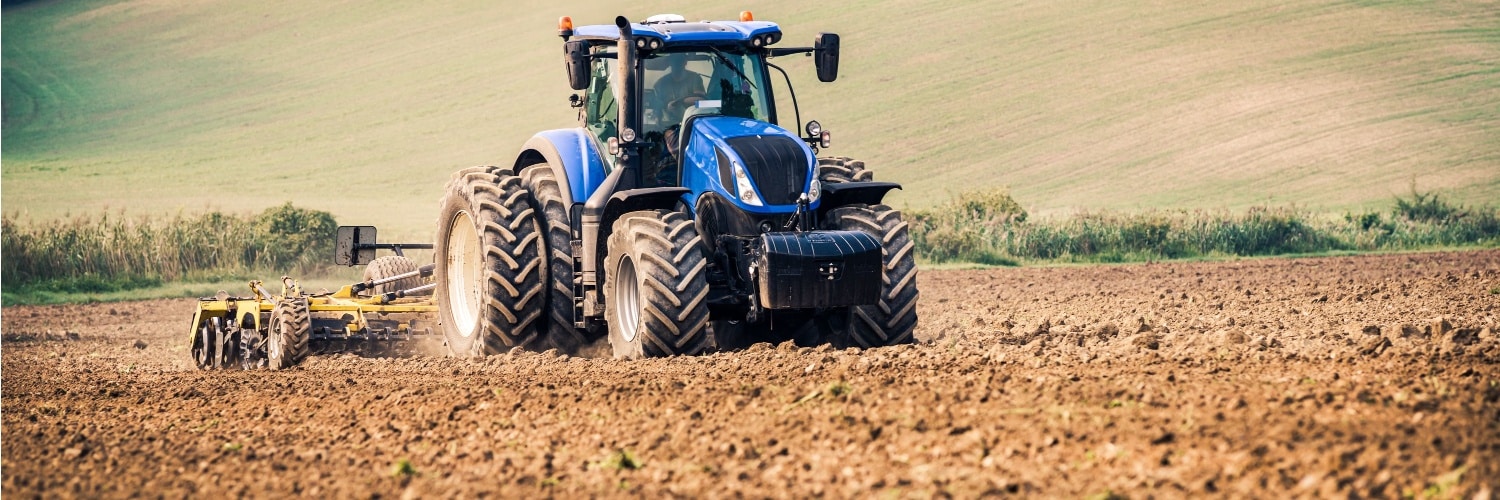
363	110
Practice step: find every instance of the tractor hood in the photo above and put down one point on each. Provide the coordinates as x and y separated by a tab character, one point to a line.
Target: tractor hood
751	155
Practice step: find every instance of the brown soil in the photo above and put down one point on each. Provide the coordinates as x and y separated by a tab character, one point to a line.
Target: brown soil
1368	375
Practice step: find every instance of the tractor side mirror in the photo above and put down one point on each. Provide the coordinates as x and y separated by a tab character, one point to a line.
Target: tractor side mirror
826	56
576	58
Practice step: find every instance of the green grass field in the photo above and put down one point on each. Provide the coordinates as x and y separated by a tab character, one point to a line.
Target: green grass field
363	110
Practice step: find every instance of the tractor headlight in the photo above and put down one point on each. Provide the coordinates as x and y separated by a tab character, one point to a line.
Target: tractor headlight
814	129
745	188
814	190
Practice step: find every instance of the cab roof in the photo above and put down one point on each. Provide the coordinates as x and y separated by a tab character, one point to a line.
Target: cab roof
702	32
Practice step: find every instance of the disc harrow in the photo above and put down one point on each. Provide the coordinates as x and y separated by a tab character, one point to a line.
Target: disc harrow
277	331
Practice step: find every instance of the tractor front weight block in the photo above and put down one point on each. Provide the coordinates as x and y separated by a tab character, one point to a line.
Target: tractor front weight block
805	270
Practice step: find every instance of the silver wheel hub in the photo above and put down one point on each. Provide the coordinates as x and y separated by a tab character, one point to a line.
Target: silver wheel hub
627	297
465	273
273	344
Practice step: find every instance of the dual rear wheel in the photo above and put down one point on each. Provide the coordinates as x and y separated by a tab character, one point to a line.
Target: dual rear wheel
489	265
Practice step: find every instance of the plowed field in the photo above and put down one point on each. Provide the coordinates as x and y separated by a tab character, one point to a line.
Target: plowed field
1369	375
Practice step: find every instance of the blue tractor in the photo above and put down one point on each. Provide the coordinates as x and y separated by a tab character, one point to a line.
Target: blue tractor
679	217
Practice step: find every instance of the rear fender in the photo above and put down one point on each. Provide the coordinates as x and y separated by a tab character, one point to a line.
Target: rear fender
574	159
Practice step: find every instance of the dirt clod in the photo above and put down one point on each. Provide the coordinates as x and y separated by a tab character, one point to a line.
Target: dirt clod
1439	327
1147	340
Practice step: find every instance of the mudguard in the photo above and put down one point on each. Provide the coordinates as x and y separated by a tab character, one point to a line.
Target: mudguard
853	193
574	159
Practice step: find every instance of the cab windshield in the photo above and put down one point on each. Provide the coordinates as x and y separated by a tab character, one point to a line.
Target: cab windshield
680	84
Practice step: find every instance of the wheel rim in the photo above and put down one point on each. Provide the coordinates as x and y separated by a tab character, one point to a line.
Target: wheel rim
465	266
627	299
273	344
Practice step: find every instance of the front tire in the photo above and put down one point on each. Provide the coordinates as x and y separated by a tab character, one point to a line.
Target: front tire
893	319
656	287
489	266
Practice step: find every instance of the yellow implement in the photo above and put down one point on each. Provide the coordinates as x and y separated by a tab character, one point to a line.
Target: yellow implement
279	330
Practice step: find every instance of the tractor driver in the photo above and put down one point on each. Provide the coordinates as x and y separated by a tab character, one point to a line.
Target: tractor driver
677	90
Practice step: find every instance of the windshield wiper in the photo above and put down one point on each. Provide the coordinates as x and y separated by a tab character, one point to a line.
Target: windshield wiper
725	59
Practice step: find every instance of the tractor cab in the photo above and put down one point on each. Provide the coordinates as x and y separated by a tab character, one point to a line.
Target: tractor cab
645	83
677	85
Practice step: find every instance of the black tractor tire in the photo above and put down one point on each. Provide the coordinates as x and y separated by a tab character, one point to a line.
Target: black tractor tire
387	266
287	333
656	289
893	319
557	245
489	264
836	169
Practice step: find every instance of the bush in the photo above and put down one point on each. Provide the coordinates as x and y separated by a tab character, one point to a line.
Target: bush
287	237
1425	207
963	230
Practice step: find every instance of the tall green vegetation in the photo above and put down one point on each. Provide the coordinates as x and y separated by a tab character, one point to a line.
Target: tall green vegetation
110	252
990	227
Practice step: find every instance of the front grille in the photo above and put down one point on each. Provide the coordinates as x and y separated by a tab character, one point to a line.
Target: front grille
777	164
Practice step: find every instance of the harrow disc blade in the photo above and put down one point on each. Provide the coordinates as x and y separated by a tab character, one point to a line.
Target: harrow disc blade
203	349
221	345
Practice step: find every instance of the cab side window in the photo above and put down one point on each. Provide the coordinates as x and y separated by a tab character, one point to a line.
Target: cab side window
602	111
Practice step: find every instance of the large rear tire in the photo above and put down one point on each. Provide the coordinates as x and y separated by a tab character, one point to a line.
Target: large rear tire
655	286
893	319
489	267
289	330
557	245
391	265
